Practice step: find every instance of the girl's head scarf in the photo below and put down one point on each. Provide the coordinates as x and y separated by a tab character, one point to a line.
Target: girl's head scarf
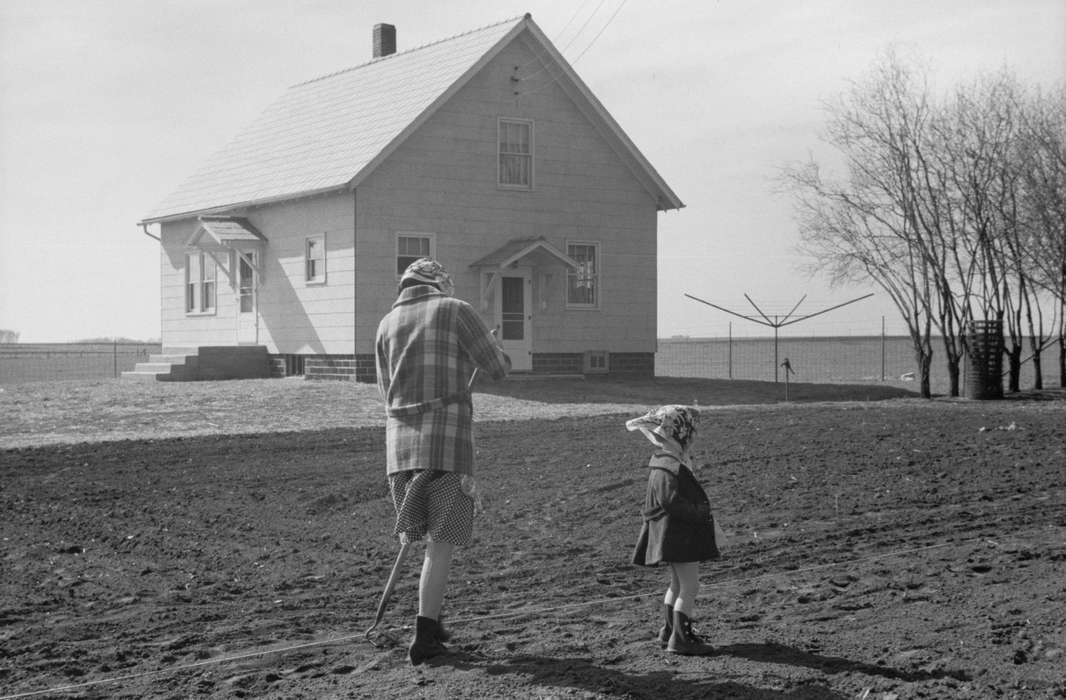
672	428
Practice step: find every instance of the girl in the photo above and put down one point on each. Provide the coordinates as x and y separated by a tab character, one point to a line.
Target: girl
678	527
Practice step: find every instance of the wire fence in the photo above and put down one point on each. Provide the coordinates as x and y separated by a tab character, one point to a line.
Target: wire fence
840	360
817	359
39	362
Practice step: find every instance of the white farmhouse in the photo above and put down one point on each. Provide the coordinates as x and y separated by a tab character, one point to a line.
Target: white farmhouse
485	151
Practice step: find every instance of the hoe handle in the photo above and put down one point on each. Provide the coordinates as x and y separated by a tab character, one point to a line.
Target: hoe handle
389	585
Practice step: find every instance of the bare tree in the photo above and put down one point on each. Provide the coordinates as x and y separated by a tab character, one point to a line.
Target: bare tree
877	223
941	208
1041	154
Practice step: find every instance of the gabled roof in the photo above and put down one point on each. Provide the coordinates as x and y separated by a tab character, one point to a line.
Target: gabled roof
329	133
226	230
513	251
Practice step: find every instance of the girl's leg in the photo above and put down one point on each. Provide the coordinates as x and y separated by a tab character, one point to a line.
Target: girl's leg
687	578
674	590
668	609
683	640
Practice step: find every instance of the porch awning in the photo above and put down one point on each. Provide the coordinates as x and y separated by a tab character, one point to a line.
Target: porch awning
538	250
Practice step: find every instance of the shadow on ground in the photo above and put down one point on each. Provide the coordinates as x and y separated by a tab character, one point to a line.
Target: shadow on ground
590	676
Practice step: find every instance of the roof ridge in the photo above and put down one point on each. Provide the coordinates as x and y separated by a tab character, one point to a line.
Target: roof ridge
412	50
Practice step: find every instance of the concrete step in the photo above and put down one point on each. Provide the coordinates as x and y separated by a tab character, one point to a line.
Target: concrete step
153	366
135	376
172	358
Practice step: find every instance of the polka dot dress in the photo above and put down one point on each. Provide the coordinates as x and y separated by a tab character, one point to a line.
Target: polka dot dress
431	502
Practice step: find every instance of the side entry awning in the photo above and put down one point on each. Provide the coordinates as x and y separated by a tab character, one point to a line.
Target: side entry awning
217	235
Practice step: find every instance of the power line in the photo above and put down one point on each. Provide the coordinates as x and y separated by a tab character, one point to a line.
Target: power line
553	77
609	20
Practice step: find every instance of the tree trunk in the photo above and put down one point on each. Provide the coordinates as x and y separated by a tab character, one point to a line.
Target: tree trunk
1014	364
953	360
1062	362
925	360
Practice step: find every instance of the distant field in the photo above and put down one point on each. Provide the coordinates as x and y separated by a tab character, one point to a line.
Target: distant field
818	360
36	362
841	359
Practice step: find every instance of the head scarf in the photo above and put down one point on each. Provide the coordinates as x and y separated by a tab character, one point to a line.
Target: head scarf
429	271
672	428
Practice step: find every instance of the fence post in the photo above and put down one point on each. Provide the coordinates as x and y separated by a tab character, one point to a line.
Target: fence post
730	349
114	356
882	348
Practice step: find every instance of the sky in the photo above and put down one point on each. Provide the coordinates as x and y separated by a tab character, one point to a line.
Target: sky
107	105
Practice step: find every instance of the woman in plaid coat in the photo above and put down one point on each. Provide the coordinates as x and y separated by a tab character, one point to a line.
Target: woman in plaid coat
427	350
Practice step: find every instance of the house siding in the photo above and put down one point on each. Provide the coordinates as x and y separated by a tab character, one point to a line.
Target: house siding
442	179
294	317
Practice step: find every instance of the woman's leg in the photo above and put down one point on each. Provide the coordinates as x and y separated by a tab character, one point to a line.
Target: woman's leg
434	580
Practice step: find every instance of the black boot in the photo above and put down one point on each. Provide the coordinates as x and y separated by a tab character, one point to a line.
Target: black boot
668	625
443	635
684	641
427	642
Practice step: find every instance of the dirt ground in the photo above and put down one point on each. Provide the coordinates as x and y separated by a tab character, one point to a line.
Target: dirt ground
876	549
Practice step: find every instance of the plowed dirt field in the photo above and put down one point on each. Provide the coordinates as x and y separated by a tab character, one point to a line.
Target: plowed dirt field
876	549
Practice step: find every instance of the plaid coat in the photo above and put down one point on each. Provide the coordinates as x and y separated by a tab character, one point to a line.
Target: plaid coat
426	350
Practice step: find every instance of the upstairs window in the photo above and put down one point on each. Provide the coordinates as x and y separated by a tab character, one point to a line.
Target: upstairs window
516	154
411	247
583	284
315	259
201	275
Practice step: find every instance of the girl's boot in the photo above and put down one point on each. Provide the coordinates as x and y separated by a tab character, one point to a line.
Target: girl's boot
427	642
668	625
684	641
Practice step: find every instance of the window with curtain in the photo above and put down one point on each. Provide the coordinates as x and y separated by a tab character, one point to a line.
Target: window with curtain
516	154
315	259
201	276
582	284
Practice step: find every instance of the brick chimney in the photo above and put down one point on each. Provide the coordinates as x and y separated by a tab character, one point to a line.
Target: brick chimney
384	40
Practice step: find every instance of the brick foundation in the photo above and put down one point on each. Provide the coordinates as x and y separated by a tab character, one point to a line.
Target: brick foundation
361	368
632	364
348	368
558	362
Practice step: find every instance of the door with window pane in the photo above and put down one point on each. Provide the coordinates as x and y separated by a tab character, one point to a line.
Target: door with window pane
515	318
247	301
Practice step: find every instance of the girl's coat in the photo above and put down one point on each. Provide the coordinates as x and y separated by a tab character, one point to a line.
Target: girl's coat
678	526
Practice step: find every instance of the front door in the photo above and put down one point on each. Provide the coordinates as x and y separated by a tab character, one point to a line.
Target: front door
515	318
247	300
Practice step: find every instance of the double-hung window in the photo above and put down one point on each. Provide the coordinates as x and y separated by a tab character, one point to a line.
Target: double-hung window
315	259
583	284
411	247
515	140
201	276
